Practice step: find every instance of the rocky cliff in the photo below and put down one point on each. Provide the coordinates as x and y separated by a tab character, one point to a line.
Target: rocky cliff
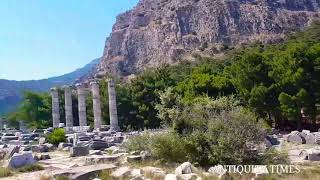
164	31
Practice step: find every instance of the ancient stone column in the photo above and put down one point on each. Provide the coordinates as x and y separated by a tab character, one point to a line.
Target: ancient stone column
68	106
96	104
55	107
82	105
113	106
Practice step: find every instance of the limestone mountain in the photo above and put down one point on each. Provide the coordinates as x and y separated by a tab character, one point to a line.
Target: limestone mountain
158	32
11	91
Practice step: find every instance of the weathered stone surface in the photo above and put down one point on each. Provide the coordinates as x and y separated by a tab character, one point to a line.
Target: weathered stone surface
113	113
295	137
171	177
310	139
96	105
20	160
79	151
121	172
55	108
42	140
101	159
63	145
134	158
313	154
68	106
82	104
99	145
185	168
163	32
191	176
45	156
297	155
95	152
12	150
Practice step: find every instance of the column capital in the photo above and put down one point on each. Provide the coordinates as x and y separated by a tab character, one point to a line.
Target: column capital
80	85
66	87
53	89
94	82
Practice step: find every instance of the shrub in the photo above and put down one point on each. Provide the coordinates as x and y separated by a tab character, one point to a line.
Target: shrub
168	147
57	136
138	143
208	132
105	175
5	172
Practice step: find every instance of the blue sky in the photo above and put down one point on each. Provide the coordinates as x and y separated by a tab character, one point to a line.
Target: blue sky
44	38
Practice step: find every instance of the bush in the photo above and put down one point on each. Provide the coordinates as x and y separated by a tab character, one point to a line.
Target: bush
5	172
208	132
57	136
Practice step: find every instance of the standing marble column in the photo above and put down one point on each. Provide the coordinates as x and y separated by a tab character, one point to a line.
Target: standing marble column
68	106
82	105
113	106
55	107
96	104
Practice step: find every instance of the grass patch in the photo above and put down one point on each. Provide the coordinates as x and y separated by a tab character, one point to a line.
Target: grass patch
5	172
30	168
105	175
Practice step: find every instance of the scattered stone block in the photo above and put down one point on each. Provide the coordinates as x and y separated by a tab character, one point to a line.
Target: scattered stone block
99	145
121	172
145	155
45	156
313	155
185	168
295	137
217	170
171	177
42	140
310	139
20	160
12	150
95	152
191	176
118	151
136	173
43	148
66	149
135	153
102	159
158	174
79	151
62	145
297	155
304	133
132	159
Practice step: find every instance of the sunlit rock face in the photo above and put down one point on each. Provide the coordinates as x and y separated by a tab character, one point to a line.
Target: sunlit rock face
159	32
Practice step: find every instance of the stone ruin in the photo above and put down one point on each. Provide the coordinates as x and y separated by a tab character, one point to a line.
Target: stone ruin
83	124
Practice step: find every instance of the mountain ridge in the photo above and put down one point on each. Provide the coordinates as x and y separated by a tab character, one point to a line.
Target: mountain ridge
11	90
159	32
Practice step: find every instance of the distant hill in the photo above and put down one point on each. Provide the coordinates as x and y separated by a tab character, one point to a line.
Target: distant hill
11	91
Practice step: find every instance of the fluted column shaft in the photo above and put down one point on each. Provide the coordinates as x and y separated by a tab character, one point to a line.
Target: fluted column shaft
68	106
82	105
114	125
55	108
96	104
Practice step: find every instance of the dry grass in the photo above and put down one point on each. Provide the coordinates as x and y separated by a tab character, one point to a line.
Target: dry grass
45	177
5	172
